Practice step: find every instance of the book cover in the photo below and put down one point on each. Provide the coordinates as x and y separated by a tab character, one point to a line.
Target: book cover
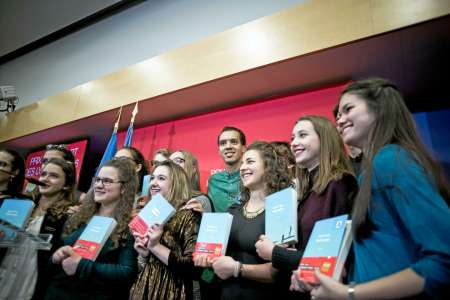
157	211
94	237
16	212
213	234
281	216
145	185
327	249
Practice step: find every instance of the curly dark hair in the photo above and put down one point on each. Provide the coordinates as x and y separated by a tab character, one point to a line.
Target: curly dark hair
122	212
276	175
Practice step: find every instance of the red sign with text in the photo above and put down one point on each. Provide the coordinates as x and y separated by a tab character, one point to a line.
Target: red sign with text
270	120
34	160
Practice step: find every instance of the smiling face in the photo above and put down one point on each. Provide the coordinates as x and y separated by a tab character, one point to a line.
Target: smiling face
54	178
305	145
252	170
161	182
109	189
230	147
355	121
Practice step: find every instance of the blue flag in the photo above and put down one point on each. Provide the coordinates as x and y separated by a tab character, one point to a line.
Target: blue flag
129	136
111	148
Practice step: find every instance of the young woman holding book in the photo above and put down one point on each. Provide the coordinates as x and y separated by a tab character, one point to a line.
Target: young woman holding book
326	187
165	252
185	159
110	276
48	217
245	275
401	214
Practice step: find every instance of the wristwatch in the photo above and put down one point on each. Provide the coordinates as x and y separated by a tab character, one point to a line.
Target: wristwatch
351	291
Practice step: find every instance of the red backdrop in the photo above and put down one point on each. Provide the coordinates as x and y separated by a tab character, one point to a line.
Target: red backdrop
34	160
268	120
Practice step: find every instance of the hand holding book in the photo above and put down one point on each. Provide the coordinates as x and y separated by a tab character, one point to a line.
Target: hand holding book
68	258
154	235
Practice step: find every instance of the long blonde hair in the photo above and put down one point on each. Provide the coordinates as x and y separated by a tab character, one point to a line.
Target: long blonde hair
123	209
333	160
180	189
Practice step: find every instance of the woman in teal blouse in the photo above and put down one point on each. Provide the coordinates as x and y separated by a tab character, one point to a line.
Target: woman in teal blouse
111	275
401	218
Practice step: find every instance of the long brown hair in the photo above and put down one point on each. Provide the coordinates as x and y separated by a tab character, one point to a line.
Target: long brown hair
180	189
192	170
393	125
59	208
333	160
276	175
122	211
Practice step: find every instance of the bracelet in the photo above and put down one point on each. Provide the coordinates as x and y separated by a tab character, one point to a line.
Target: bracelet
351	291
237	269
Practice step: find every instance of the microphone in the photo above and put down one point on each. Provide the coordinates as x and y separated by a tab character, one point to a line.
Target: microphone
35	181
7	172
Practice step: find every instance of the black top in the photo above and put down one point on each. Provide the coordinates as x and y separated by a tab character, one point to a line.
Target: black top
241	247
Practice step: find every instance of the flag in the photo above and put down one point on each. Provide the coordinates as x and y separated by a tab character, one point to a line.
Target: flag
129	136
111	149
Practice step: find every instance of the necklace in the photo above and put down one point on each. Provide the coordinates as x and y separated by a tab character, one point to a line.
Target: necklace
252	214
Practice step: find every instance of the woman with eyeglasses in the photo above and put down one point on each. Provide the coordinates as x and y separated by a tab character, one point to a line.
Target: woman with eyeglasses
165	252
185	159
110	276
26	266
400	217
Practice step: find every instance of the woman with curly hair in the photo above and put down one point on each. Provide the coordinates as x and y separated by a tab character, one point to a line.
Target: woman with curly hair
326	187
112	273
165	252
48	217
245	275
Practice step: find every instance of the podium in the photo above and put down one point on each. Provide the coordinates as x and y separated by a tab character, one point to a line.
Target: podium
18	257
12	236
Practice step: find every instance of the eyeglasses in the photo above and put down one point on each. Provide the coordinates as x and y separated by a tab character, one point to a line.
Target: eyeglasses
105	181
178	160
124	158
56	147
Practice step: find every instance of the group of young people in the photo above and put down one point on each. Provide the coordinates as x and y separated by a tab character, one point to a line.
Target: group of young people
397	197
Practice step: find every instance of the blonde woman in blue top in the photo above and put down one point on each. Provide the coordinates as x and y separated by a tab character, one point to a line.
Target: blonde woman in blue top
401	218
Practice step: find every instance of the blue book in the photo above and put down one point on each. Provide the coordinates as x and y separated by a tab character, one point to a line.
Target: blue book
15	212
157	211
327	249
146	185
281	216
94	237
213	234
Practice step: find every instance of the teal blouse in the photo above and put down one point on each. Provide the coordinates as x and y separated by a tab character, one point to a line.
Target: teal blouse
412	224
